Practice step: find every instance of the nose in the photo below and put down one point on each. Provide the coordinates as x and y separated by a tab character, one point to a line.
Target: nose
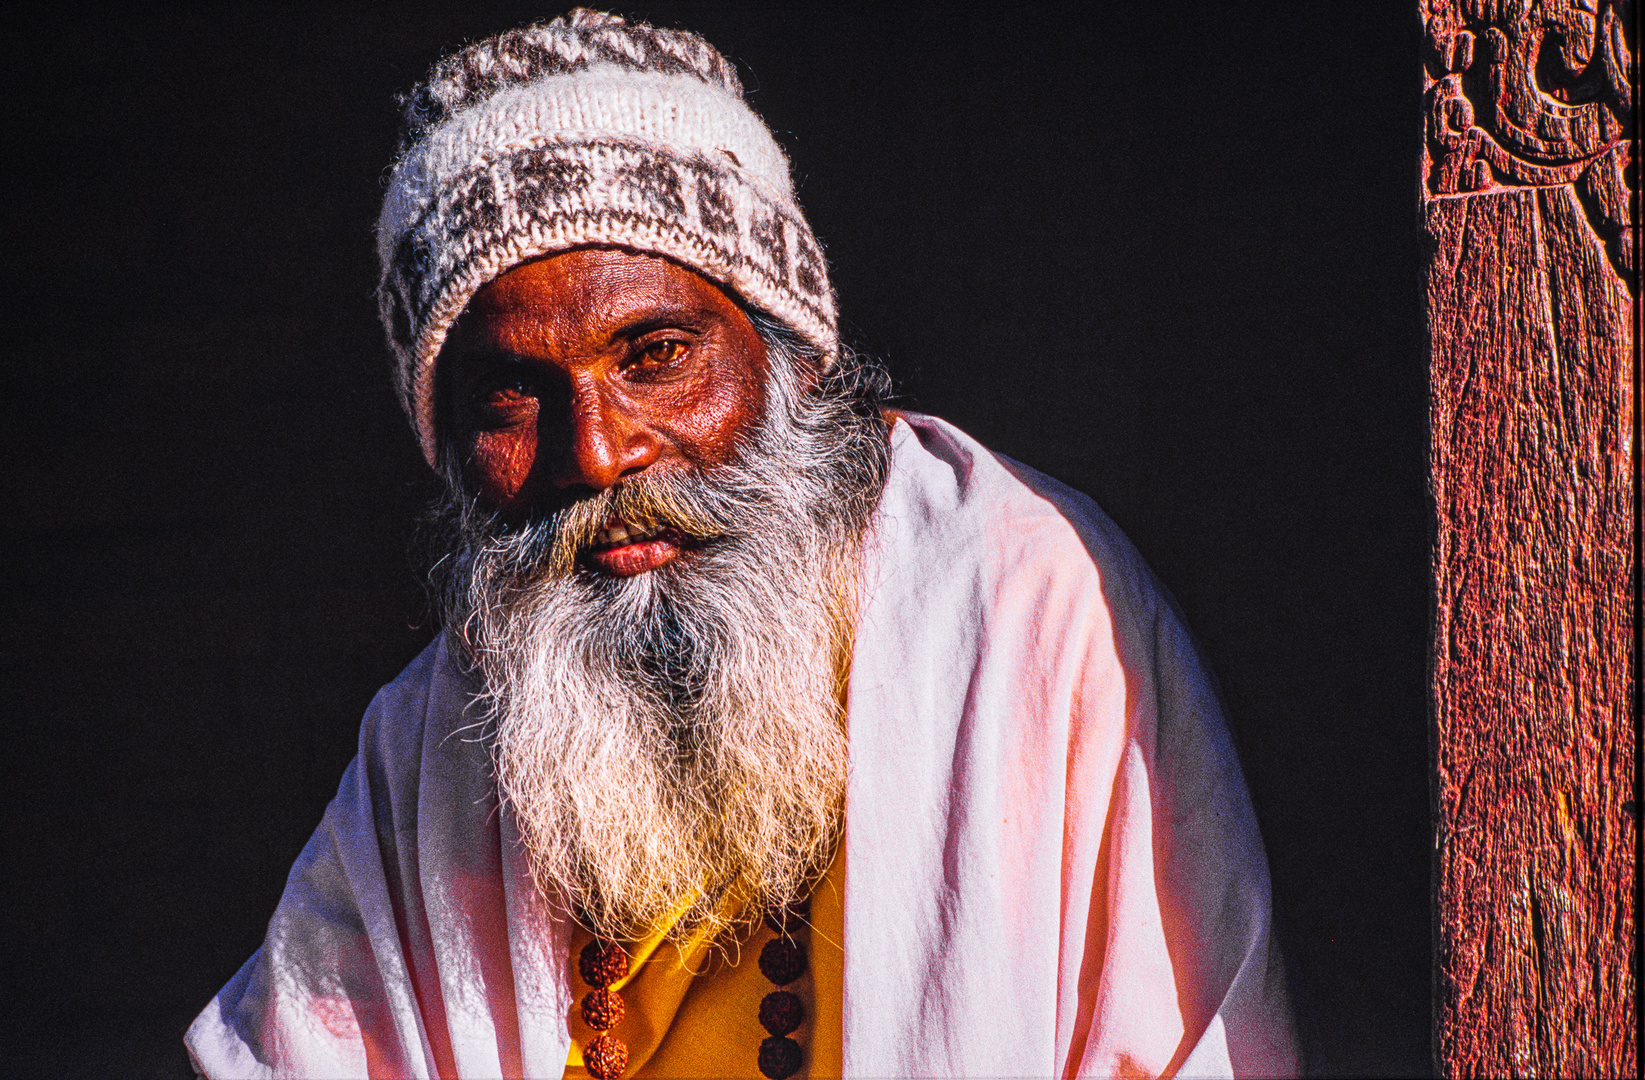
607	443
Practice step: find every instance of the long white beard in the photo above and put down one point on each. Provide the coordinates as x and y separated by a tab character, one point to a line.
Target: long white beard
673	744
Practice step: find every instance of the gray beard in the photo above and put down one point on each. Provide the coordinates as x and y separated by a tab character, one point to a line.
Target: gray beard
672	745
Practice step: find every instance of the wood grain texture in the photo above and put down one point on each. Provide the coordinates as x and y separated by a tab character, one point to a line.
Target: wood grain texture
1531	308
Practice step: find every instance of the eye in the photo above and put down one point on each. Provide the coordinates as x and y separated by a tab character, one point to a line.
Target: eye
508	388
661	354
502	395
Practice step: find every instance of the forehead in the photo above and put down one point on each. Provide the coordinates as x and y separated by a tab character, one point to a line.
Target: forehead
595	290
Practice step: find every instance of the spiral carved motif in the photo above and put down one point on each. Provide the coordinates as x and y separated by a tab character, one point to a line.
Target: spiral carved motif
1536	93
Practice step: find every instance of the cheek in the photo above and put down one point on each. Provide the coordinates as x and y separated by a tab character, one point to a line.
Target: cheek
729	409
500	463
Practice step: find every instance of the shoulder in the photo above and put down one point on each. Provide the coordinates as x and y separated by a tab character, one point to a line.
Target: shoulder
402	707
411	722
949	487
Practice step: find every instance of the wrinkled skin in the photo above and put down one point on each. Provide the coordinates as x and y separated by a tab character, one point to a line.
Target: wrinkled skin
570	373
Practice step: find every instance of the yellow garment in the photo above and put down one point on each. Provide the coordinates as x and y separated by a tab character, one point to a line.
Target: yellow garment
698	1015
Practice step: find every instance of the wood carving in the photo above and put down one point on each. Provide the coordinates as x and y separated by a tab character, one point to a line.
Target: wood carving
1529	190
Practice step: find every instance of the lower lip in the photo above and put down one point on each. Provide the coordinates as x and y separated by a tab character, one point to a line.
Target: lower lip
627	560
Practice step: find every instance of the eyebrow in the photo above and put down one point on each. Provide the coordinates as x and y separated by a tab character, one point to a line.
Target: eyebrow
645	325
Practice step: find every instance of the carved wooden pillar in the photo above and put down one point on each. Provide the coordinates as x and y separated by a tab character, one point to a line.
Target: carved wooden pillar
1529	194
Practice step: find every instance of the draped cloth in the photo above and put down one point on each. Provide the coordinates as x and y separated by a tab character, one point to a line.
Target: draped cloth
1053	867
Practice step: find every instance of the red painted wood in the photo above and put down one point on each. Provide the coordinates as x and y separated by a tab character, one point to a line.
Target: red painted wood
1529	203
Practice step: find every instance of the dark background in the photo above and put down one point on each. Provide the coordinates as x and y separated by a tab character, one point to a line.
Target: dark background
1167	253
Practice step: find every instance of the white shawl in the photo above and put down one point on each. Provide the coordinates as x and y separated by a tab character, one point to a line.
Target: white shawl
1053	866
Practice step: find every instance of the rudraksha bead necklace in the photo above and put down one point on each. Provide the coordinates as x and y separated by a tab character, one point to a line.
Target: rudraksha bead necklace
782	960
601	964
781	1012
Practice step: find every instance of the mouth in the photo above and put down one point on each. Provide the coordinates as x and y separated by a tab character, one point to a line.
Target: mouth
625	550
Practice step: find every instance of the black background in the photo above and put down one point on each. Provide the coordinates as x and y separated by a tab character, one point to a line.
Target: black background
1167	253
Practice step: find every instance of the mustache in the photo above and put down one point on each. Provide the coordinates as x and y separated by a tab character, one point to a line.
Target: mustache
700	506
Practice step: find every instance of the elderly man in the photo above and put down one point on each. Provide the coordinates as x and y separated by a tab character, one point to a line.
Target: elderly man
771	731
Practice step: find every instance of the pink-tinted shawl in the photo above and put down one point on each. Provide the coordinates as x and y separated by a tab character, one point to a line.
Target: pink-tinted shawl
1053	867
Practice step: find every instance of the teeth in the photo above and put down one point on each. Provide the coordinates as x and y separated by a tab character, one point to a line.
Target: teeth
619	533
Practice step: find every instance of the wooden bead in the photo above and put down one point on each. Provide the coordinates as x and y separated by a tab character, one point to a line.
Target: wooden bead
602	1009
782	961
781	1012
602	963
606	1056
787	920
780	1057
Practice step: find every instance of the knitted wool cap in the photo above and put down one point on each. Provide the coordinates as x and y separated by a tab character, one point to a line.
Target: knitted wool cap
587	130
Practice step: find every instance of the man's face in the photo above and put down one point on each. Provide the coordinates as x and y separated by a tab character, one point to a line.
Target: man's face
570	373
674	736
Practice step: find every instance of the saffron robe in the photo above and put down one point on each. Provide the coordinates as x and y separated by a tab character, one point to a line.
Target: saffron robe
695	1011
1053	867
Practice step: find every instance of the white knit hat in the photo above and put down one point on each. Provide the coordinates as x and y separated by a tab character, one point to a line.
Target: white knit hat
585	131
